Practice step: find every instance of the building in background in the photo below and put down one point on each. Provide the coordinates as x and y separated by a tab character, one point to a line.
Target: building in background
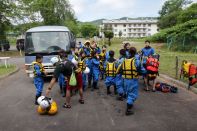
131	28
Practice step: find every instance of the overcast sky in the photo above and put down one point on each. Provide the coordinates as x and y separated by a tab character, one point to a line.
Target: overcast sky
88	10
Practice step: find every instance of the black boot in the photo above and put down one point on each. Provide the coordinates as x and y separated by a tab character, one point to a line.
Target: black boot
129	110
108	90
95	85
120	97
115	91
89	84
36	98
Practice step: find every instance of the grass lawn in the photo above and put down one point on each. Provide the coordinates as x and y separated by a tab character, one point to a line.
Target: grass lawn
11	54
167	58
4	70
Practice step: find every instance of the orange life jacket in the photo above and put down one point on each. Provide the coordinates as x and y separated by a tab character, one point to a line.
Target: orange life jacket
152	65
192	74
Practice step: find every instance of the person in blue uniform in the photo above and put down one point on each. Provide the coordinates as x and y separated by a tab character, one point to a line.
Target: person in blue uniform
127	48
86	48
119	80
146	52
94	62
129	70
110	71
39	73
93	51
102	57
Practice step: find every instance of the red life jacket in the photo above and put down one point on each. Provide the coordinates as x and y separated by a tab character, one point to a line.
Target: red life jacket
152	65
192	74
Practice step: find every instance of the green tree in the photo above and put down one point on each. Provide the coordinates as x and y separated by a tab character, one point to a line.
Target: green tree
88	30
109	34
73	26
53	12
173	6
170	11
187	14
7	11
120	34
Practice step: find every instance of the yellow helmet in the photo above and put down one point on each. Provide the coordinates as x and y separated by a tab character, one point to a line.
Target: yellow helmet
41	111
53	109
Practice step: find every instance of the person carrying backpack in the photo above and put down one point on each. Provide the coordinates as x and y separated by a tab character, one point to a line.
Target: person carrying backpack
110	71
67	68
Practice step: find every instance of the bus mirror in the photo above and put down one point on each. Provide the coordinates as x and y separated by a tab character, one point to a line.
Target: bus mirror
72	44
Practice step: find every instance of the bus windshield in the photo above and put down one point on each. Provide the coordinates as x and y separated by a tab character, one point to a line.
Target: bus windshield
46	41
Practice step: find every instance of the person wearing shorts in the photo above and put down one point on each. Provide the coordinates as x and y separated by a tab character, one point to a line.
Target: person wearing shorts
66	68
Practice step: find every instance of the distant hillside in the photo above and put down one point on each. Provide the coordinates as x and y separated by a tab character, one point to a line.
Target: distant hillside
99	21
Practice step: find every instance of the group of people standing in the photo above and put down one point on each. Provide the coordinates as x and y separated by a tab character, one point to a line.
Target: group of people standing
122	73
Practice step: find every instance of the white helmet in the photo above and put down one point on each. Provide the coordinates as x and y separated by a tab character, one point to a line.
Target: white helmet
44	104
86	71
74	61
40	99
54	60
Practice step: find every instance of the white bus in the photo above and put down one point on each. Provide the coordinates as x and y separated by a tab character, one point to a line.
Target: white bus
46	41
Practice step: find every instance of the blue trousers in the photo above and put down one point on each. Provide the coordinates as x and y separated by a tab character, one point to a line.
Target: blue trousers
131	90
39	83
109	81
95	75
84	80
61	81
119	85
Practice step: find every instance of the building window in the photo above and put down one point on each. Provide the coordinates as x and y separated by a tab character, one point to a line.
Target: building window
149	29
125	30
129	25
139	25
124	34
134	25
124	25
144	25
115	25
115	30
149	34
149	25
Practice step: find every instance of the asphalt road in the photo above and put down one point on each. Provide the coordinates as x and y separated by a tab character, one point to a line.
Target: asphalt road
153	111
